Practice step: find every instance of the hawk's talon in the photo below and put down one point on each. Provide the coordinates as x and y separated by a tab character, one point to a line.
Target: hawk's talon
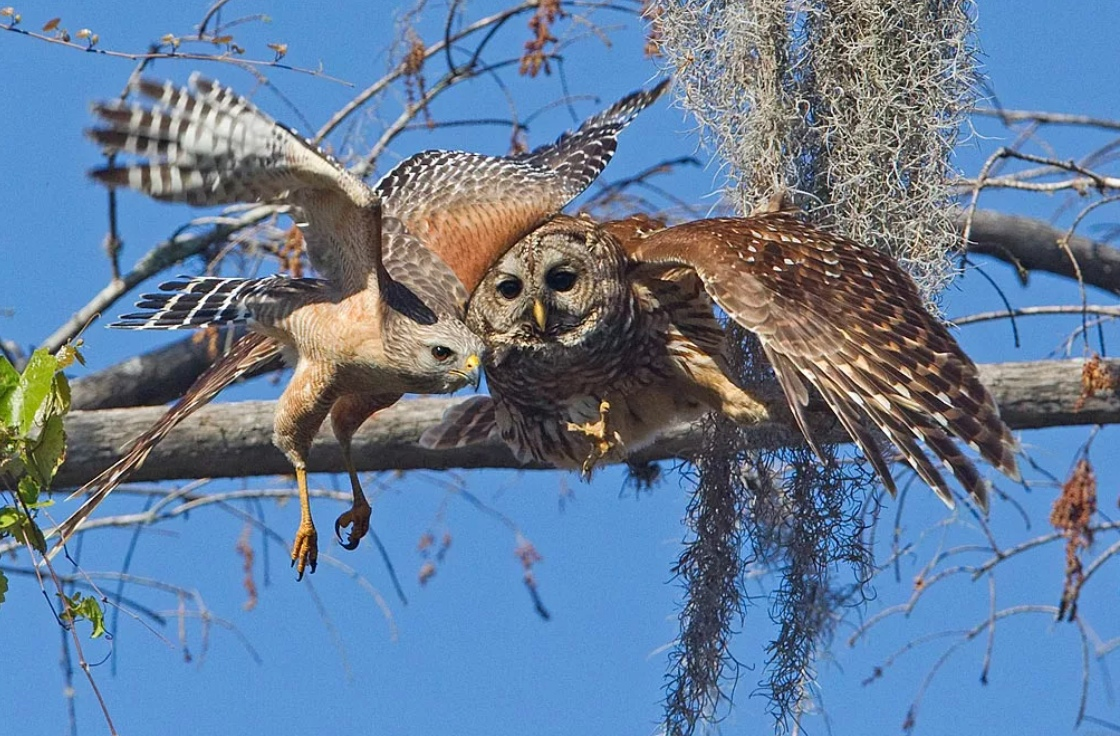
603	438
305	549
357	518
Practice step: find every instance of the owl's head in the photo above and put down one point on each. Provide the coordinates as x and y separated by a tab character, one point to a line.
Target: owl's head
553	290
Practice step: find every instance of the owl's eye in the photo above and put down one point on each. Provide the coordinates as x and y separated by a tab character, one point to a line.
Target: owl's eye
442	353
560	279
509	288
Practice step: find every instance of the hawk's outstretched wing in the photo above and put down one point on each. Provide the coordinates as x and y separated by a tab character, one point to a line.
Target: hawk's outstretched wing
470	208
206	145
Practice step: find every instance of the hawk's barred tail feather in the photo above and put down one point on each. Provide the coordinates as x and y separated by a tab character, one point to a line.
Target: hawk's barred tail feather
191	303
251	352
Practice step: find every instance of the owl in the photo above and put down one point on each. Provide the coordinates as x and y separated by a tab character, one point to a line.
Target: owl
599	336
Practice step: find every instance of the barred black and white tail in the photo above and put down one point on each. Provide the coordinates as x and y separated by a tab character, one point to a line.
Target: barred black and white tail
206	145
579	156
189	303
252	352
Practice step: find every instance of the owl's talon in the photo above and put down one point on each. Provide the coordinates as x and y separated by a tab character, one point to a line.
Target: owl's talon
603	438
357	518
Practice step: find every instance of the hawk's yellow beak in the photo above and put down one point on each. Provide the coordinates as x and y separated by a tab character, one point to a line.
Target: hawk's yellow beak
470	367
539	315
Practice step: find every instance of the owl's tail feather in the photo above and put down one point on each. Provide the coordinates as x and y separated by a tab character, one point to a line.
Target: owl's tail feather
249	354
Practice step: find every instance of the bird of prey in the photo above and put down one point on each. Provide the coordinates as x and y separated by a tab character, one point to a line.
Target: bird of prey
464	208
599	336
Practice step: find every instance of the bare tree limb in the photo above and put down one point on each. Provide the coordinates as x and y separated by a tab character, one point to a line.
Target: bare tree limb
1032	245
235	440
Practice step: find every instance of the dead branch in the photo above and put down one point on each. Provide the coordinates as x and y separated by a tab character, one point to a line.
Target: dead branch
1032	245
1040	116
235	440
156	377
170	47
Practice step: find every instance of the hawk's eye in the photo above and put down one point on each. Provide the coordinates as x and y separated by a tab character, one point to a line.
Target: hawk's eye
560	279
509	288
441	352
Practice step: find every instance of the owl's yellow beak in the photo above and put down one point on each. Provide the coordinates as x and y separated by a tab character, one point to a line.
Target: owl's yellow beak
539	314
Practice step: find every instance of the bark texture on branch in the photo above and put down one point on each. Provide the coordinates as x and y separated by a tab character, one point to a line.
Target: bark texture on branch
235	440
1032	245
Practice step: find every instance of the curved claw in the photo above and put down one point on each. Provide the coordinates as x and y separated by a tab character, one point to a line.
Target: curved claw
604	440
357	518
305	551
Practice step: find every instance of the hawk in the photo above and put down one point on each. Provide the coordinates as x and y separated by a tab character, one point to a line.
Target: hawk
599	336
464	208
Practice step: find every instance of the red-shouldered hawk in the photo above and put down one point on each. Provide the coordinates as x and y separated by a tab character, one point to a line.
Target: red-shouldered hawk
212	147
599	336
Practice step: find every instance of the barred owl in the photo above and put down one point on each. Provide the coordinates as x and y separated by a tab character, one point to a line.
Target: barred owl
599	336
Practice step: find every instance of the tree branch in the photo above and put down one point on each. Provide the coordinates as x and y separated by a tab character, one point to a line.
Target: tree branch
1032	245
235	440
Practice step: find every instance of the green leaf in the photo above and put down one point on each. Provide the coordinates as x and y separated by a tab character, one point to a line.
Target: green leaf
61	393
34	387
3	586
9	517
22	528
29	489
30	533
86	607
9	379
48	453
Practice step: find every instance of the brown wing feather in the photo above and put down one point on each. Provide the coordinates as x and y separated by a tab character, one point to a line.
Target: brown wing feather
632	230
849	321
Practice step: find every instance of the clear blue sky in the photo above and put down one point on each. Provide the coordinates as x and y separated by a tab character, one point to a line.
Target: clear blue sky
470	656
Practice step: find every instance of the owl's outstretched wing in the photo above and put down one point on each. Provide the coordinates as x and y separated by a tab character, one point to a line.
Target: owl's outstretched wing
205	145
845	319
469	208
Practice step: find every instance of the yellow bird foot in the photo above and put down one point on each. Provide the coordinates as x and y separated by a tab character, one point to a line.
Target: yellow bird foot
603	438
357	518
305	549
